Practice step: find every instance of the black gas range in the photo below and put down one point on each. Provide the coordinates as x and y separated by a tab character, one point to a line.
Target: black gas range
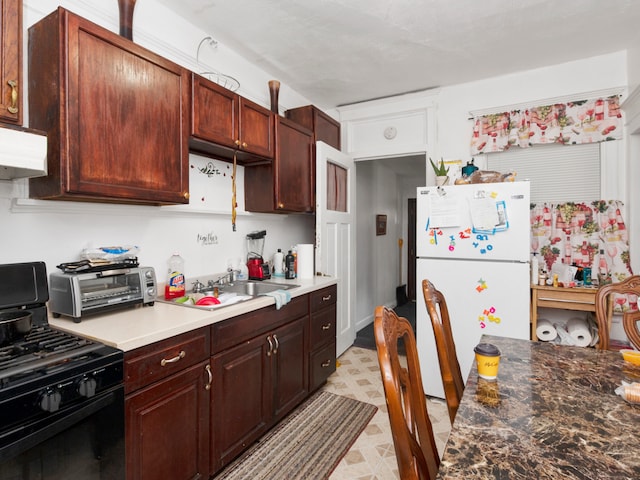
61	396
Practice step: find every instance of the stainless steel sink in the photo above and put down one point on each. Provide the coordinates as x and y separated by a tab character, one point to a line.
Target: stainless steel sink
230	293
254	288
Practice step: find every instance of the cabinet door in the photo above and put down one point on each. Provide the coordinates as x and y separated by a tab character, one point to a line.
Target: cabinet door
256	129
241	401
167	428
294	178
290	367
214	112
327	130
11	61
116	115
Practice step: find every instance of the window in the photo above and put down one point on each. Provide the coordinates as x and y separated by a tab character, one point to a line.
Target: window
558	173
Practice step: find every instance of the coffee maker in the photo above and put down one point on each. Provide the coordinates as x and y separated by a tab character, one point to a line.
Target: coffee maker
258	269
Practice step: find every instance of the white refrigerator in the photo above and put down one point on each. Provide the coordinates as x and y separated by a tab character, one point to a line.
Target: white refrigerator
472	243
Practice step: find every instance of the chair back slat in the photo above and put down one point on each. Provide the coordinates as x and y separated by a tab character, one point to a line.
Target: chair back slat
629	286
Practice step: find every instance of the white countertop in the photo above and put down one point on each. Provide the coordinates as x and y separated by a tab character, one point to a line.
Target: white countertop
136	327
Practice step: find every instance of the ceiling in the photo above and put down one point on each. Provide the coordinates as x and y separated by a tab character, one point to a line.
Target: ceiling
338	52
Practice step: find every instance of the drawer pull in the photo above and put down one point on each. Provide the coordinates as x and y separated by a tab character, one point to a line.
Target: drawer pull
325	364
275	338
178	357
270	346
326	326
208	385
327	298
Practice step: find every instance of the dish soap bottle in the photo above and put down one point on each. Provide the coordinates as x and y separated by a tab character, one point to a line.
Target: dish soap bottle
175	287
278	260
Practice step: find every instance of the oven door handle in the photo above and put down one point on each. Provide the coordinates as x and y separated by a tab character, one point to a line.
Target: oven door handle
51	428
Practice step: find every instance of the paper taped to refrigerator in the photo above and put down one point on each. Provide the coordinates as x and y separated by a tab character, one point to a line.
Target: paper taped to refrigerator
488	216
444	211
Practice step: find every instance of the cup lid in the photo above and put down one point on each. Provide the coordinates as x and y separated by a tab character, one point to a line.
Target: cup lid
488	349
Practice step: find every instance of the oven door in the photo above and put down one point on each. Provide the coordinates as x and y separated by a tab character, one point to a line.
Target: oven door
85	443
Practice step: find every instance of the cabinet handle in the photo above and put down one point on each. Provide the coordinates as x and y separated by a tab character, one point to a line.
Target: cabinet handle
270	346
208	385
13	108
186	195
327	298
244	145
237	142
178	357
280	205
275	350
327	326
325	364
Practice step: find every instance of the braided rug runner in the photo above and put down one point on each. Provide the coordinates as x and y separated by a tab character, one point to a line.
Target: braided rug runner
307	444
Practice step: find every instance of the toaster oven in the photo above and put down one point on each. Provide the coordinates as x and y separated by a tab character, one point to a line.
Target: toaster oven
79	294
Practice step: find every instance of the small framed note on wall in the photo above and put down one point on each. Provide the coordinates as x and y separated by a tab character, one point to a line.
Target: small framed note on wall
381	224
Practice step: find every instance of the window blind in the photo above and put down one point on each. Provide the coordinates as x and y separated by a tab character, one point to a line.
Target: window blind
558	173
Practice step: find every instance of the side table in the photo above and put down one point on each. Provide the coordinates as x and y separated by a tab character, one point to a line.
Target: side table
578	298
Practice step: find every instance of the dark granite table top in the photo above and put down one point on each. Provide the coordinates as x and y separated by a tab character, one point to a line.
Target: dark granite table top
551	414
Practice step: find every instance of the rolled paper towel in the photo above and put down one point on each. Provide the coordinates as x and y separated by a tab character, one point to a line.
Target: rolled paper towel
545	331
578	329
305	260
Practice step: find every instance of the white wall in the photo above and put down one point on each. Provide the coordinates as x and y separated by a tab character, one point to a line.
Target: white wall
56	232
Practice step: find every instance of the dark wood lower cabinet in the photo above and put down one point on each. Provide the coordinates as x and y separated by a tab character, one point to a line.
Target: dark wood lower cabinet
196	401
240	400
256	383
167	428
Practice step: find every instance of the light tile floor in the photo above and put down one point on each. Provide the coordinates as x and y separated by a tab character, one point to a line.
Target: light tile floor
372	456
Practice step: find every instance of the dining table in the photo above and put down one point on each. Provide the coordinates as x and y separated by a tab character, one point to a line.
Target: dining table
551	413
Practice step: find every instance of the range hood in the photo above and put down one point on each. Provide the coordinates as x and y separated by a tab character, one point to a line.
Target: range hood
23	153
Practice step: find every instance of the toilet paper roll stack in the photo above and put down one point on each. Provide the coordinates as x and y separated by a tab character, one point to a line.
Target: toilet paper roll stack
545	331
578	329
305	260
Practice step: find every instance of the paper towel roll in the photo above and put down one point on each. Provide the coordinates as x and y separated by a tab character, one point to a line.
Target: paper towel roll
305	260
545	331
579	330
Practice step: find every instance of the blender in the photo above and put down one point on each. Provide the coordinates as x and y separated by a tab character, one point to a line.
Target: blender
258	269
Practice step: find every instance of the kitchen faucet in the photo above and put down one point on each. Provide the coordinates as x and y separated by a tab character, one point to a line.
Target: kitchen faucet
228	277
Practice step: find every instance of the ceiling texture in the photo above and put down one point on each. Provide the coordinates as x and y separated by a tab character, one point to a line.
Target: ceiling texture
338	52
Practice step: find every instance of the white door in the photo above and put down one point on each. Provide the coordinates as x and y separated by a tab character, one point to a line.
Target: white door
335	233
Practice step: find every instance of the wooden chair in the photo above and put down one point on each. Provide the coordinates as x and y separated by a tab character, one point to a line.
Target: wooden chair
630	322
447	356
413	439
629	286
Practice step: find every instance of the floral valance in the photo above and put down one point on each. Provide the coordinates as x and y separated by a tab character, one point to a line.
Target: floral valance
582	121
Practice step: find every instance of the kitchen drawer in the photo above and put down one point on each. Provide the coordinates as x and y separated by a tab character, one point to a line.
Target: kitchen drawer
323	326
236	330
322	298
323	364
151	363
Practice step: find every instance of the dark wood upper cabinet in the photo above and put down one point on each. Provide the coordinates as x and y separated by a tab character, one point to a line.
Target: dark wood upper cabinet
325	128
287	185
11	61
223	124
115	113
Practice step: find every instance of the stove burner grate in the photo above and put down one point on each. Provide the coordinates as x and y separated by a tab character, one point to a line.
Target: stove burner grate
41	348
